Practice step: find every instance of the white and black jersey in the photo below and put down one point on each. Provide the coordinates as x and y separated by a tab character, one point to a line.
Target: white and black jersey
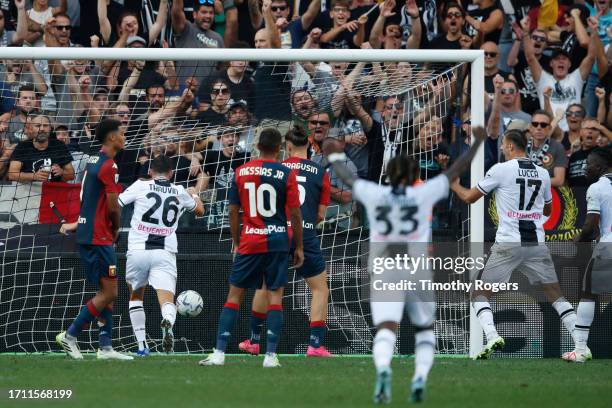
599	201
158	205
397	215
521	190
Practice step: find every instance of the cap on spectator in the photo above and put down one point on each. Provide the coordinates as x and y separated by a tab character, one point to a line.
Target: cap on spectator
135	39
560	51
518	125
238	103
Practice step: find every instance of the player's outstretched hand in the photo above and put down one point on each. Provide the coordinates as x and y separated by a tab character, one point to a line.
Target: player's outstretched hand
479	132
298	257
331	145
68	227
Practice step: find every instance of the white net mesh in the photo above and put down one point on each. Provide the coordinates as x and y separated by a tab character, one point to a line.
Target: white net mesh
208	126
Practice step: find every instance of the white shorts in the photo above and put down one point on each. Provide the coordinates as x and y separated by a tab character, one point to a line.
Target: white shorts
421	314
155	267
597	278
533	261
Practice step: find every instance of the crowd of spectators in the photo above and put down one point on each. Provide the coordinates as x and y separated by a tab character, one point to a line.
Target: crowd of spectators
547	73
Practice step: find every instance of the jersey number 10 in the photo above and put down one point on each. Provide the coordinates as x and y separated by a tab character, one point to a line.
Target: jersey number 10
257	201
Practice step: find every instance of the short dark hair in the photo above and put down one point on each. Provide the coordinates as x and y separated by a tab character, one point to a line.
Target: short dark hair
105	128
27	88
402	167
602	156
161	164
512	81
155	85
517	138
453	4
541	112
270	140
297	136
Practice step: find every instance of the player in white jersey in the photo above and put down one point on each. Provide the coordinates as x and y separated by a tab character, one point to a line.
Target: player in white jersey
598	222
399	216
523	198
152	245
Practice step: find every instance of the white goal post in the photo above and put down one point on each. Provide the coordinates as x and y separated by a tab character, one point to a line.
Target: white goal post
473	57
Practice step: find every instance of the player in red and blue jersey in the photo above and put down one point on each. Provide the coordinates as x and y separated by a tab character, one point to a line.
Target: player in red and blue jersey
314	189
265	190
96	231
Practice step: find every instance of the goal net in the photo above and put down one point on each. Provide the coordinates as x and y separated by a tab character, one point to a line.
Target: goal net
205	109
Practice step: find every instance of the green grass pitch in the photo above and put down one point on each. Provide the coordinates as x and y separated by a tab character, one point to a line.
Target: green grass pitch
177	381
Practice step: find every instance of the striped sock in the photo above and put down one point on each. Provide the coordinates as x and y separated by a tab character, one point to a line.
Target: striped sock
585	315
566	314
139	322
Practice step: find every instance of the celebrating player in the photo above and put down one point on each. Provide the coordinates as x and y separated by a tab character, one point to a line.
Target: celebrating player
96	230
597	277
314	189
523	198
152	245
265	190
398	214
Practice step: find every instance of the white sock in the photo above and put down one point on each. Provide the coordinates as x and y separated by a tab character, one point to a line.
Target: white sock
168	311
485	317
585	315
566	314
384	346
424	347
138	319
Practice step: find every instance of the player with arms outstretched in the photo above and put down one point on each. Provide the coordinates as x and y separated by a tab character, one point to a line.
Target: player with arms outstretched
523	198
265	190
152	245
598	275
314	188
96	231
399	214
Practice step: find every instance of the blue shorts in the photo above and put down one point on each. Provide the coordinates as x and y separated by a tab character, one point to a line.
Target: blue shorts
100	262
249	270
314	264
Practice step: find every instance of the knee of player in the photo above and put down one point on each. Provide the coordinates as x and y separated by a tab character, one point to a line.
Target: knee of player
137	295
552	291
387	325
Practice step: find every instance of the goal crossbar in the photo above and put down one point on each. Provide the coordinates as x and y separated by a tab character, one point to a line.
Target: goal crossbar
230	54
